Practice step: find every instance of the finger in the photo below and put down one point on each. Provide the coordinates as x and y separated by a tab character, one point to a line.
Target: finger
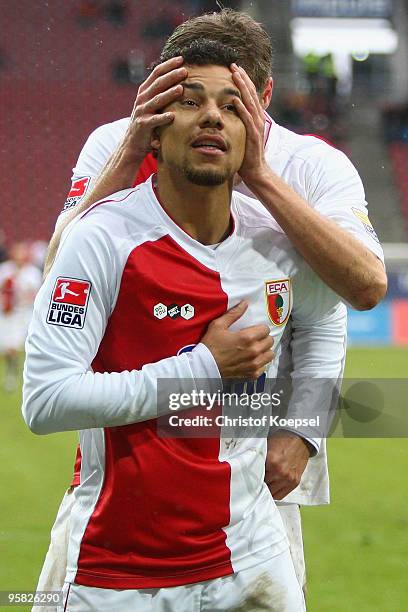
233	314
264	359
162	84
161	100
250	99
244	115
239	81
158	120
264	345
251	87
254	333
264	348
161	69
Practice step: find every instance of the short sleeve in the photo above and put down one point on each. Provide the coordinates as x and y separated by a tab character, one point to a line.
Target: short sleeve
335	190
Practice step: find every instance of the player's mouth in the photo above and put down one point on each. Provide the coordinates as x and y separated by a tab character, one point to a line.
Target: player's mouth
210	145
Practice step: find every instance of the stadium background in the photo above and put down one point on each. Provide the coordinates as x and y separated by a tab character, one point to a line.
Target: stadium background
67	66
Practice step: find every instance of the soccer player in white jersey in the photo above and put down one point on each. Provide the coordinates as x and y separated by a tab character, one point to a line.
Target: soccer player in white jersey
19	283
160	524
329	189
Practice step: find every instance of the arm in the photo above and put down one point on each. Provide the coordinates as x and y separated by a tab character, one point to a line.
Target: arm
62	393
318	342
160	88
340	260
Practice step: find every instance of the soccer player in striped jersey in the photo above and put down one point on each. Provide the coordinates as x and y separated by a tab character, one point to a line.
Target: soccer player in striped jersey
325	223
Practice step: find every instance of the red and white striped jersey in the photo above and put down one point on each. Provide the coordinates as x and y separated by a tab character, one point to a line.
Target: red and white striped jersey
152	511
325	178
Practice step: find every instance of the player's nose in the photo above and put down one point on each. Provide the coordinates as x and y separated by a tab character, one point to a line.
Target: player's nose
211	116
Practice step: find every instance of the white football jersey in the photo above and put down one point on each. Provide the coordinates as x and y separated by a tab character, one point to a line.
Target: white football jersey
319	173
128	292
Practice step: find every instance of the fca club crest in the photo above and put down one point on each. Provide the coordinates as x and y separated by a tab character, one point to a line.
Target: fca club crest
279	300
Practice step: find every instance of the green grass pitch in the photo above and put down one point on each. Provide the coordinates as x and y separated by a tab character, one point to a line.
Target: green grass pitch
356	548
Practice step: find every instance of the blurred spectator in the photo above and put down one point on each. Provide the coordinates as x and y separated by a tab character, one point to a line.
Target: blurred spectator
38	252
19	282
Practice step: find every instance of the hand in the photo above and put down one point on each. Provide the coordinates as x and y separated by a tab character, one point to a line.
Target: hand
252	114
239	354
162	87
286	461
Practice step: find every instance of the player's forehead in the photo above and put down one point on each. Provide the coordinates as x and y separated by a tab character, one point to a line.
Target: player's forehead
210	79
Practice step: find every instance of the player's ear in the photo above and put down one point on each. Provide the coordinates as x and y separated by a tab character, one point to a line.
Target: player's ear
267	94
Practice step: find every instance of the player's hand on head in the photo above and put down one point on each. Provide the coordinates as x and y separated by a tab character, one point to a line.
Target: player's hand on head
239	354
249	109
161	88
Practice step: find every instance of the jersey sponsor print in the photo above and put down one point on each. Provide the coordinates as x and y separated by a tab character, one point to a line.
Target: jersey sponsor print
69	302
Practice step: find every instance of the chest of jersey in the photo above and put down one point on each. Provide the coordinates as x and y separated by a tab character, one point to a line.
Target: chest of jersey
168	297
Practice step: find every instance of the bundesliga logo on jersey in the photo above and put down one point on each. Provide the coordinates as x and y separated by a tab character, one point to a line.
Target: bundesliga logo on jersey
69	303
279	300
77	192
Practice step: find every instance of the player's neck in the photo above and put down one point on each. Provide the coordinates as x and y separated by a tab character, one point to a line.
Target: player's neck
202	212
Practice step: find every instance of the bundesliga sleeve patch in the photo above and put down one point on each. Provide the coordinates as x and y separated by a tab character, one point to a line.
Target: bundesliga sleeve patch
278	300
361	216
77	192
69	303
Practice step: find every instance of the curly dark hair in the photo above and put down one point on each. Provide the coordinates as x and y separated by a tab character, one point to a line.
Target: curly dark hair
203	52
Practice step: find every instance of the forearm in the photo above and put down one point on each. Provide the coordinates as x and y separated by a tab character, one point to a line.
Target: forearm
73	400
339	259
119	173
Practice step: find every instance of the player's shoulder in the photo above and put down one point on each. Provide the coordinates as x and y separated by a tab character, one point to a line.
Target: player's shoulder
96	151
306	148
117	215
114	130
256	223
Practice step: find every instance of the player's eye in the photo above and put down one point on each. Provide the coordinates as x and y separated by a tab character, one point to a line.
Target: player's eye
230	107
189	102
